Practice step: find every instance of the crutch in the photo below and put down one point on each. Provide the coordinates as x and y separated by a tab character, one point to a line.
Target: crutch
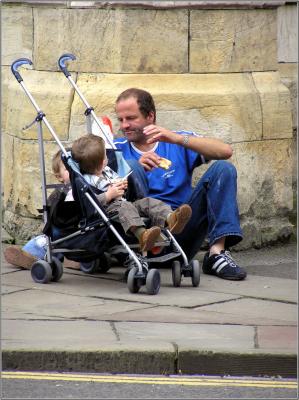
123	168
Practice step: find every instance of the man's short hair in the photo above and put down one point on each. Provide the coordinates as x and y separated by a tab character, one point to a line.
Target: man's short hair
89	152
144	100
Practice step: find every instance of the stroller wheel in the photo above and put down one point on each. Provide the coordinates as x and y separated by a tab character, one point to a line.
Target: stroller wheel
176	274
153	281
41	271
134	283
90	267
195	277
101	264
57	269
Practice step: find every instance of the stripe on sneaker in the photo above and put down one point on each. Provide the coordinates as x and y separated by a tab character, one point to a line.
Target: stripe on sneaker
219	264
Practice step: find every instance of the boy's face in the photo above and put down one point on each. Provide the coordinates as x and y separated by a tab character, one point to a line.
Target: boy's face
63	175
102	166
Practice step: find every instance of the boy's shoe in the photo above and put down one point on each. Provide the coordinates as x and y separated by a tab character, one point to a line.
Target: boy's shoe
16	256
149	238
223	265
178	219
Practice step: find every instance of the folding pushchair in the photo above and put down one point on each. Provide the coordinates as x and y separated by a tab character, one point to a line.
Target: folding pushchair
95	233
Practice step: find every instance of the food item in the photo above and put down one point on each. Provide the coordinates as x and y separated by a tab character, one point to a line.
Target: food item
164	163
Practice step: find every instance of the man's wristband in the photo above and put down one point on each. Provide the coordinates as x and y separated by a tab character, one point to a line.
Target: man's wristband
185	140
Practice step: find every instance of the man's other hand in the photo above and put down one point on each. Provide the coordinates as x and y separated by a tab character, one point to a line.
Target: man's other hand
149	160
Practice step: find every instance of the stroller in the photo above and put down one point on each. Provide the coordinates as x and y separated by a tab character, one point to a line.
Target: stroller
90	235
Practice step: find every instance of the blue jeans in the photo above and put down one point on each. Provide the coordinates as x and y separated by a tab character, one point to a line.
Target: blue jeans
215	212
37	246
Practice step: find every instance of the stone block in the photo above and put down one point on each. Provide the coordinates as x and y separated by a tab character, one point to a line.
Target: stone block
21	175
289	77
52	93
226	106
17	33
112	40
232	40
264	178
264	232
287	33
276	105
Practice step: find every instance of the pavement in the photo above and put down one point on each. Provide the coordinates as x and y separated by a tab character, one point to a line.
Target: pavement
92	323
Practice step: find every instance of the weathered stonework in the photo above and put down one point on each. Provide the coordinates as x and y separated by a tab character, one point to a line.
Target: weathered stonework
264	177
210	71
287	33
114	40
275	104
51	92
265	194
21	174
17	35
226	106
288	73
232	40
264	190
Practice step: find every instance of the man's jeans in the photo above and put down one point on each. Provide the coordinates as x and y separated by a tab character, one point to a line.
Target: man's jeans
214	206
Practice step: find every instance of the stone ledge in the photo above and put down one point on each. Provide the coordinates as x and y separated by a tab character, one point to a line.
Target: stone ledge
209	4
152	362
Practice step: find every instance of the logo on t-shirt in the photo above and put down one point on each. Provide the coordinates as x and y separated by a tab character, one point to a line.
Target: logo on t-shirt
168	174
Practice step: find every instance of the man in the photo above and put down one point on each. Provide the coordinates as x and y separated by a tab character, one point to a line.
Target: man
213	200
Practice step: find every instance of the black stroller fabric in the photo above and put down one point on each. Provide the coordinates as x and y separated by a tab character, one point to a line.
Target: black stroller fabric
80	215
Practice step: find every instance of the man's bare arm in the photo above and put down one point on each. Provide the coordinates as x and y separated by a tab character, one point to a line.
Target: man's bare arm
210	148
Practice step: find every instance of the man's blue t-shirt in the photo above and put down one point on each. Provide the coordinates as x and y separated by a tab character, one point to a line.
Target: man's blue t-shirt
173	186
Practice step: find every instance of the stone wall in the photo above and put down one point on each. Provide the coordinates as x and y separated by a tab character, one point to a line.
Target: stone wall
221	71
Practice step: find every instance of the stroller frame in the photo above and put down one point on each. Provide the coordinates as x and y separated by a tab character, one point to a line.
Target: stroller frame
178	270
51	269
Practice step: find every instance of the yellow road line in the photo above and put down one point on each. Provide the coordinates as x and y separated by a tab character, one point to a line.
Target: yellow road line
185	381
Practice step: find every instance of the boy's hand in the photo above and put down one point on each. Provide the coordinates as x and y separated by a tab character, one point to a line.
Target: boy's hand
115	191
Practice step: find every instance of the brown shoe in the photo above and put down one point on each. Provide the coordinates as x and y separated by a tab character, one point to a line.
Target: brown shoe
178	219
149	238
18	257
71	264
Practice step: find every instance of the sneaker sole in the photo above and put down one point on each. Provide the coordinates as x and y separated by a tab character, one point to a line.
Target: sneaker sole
231	278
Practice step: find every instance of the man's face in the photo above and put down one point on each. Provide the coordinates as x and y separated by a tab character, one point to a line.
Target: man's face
131	120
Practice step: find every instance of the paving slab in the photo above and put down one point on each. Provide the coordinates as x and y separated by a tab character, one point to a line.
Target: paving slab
92	322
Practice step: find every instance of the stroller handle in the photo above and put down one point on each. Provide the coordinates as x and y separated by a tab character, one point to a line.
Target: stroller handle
16	64
62	60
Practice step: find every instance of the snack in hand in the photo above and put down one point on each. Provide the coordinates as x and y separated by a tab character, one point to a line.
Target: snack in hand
164	163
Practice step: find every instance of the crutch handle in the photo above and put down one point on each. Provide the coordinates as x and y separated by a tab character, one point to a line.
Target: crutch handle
16	64
62	60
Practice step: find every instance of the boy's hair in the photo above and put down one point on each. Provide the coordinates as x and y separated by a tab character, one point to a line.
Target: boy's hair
56	162
89	152
144	100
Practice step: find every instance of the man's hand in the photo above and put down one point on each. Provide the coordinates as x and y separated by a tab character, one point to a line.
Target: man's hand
149	160
210	148
158	134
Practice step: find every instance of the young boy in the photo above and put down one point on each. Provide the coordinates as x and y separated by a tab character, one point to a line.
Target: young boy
89	152
36	247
